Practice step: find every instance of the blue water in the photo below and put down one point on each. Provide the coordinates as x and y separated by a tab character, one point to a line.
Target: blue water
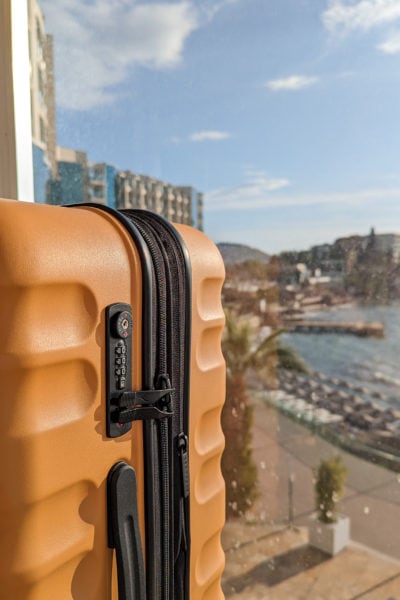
368	362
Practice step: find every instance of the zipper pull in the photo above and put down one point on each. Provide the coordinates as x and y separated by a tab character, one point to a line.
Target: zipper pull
182	444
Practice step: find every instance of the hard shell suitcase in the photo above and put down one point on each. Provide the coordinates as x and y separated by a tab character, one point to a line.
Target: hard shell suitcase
112	385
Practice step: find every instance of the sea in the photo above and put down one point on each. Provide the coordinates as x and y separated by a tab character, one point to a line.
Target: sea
369	363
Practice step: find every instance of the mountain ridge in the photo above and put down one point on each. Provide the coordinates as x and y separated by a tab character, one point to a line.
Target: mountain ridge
238	253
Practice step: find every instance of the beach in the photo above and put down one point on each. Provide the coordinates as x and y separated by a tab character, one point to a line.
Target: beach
342	412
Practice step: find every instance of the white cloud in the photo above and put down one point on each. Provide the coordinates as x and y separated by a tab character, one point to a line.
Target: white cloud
212	8
391	46
258	194
253	194
364	15
99	43
292	83
214	136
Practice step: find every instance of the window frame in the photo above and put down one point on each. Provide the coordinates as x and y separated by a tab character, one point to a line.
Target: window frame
16	162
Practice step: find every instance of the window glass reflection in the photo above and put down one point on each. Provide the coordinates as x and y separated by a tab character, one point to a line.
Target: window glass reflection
275	127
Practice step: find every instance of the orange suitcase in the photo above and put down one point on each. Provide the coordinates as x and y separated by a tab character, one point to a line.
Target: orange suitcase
112	385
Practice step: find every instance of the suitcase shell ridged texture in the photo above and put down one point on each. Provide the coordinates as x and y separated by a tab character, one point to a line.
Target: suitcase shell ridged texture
59	269
207	393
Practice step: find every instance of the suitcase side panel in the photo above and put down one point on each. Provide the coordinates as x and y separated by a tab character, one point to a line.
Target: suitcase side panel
59	269
207	395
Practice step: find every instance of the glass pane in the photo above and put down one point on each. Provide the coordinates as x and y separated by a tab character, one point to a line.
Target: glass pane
276	127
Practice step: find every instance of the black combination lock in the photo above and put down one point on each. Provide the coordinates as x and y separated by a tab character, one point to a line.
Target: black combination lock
119	326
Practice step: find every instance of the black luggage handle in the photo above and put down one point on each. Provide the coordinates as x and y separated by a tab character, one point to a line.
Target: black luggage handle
124	533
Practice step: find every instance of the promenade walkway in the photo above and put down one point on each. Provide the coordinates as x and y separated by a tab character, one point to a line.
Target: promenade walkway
280	564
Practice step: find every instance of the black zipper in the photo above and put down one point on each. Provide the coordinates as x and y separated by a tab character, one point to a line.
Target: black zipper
161	438
166	249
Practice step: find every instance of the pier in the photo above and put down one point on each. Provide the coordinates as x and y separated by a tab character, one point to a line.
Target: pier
359	328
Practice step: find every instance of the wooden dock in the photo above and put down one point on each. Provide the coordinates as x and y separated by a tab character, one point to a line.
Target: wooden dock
359	328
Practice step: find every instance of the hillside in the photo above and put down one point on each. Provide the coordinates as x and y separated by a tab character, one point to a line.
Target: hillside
238	253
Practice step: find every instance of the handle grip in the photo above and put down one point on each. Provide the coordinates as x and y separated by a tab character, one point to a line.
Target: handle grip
124	533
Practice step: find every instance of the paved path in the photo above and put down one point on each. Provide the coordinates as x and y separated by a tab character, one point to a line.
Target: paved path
284	449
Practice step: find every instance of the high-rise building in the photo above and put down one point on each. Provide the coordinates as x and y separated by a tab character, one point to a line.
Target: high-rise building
42	103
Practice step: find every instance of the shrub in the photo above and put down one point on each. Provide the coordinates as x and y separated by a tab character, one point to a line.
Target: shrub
329	487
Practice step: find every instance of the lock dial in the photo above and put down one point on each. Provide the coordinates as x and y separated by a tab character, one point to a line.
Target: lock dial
119	327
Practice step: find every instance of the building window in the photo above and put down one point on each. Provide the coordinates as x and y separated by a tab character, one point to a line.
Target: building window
97	173
39	33
41	84
42	131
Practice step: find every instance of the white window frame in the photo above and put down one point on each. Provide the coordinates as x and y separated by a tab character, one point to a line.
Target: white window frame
16	162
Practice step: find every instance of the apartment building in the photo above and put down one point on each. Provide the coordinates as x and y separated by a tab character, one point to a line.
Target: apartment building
196	206
42	103
101	183
79	180
181	204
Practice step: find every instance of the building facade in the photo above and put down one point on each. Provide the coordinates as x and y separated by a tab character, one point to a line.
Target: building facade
101	183
196	206
389	243
180	204
81	181
42	103
71	185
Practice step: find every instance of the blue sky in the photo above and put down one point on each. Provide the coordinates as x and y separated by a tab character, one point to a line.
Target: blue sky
285	113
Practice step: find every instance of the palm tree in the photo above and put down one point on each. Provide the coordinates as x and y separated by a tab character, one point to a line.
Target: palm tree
238	467
243	354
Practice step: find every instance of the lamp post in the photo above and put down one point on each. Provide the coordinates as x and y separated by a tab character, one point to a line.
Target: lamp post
291	480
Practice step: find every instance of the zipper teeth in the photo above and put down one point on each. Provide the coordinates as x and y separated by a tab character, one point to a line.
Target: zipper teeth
178	289
163	427
170	266
161	292
165	506
179	327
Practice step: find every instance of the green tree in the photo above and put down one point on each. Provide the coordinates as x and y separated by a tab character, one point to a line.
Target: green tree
242	354
238	467
371	277
289	359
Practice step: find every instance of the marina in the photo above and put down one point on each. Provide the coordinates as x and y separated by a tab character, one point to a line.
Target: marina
358	328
